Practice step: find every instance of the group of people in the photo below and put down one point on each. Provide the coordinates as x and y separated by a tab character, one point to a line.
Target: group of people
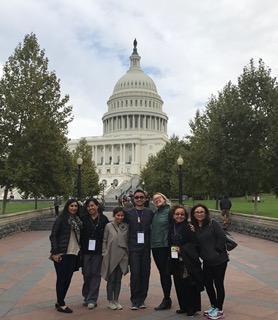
112	249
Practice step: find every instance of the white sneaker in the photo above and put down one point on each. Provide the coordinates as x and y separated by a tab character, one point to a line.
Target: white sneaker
118	306
209	310
91	305
111	305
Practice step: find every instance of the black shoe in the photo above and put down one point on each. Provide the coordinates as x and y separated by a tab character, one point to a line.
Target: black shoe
57	305
165	304
65	310
180	311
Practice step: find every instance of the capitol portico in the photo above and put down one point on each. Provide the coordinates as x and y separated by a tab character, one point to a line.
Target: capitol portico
134	127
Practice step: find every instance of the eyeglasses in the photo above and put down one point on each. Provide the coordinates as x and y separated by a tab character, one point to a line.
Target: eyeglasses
139	198
199	212
179	215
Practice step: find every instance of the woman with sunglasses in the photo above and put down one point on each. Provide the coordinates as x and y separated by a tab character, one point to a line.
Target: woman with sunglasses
160	246
212	239
185	263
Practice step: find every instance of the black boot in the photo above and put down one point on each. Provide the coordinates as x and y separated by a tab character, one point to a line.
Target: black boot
165	304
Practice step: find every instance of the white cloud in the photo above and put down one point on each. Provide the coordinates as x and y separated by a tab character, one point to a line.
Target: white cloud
192	48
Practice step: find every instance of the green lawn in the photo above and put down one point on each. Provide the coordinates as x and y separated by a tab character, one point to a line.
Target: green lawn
16	206
268	206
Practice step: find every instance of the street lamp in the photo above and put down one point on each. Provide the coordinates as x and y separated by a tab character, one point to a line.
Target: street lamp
79	162
143	185
180	163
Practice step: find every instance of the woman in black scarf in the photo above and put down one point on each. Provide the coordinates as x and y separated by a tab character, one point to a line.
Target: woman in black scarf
64	239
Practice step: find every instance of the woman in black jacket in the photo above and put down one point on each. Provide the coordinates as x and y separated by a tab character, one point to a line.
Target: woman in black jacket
185	263
64	250
212	242
91	239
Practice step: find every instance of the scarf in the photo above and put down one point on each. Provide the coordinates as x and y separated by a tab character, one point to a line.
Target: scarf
75	224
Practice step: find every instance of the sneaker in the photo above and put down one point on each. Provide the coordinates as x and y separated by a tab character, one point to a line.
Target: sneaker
111	305
142	305
91	306
118	306
134	306
216	314
209	310
85	304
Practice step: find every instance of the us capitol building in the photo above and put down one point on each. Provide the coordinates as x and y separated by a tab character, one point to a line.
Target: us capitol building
134	127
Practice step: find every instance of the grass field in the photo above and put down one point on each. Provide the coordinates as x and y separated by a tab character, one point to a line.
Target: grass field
16	206
268	205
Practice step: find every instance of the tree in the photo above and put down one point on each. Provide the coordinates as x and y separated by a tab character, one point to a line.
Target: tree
161	171
89	176
34	124
234	140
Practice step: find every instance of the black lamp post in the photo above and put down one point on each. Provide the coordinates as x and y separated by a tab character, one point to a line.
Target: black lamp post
79	162
180	163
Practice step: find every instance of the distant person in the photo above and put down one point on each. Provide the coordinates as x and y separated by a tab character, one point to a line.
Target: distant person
115	257
64	240
91	239
139	221
160	246
225	206
57	202
128	204
212	242
148	199
131	196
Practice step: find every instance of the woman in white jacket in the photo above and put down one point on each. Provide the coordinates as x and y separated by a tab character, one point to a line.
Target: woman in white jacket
115	256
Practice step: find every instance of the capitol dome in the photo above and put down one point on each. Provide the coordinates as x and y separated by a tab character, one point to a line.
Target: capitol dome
135	104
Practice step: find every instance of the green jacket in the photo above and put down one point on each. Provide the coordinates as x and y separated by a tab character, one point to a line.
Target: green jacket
160	227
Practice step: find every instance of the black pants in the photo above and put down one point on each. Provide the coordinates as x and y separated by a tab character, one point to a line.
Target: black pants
214	283
140	269
188	294
64	271
161	256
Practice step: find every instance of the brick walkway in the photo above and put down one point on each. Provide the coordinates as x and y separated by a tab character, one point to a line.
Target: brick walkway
27	284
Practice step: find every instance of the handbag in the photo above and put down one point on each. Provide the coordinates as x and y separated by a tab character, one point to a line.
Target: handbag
79	257
79	261
230	241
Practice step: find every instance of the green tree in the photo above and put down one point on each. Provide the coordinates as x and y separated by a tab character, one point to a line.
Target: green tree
34	124
233	140
161	171
89	177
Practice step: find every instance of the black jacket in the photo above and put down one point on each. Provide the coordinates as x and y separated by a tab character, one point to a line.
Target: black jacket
92	229
135	227
212	241
60	235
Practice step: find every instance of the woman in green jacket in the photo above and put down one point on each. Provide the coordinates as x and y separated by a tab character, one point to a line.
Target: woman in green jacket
160	246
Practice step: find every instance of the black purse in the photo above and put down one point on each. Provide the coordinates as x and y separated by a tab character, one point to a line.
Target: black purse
79	257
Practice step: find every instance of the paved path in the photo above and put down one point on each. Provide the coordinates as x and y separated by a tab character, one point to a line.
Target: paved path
27	284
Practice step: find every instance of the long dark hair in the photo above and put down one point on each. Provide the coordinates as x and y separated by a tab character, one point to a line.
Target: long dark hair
194	221
65	212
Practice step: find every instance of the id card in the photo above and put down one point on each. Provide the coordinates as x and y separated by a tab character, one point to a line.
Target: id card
140	237
174	252
92	245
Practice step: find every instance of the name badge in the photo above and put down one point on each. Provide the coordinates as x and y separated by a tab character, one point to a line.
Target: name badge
140	237
92	245
174	252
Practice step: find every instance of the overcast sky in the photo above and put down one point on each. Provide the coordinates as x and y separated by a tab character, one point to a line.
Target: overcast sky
191	49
